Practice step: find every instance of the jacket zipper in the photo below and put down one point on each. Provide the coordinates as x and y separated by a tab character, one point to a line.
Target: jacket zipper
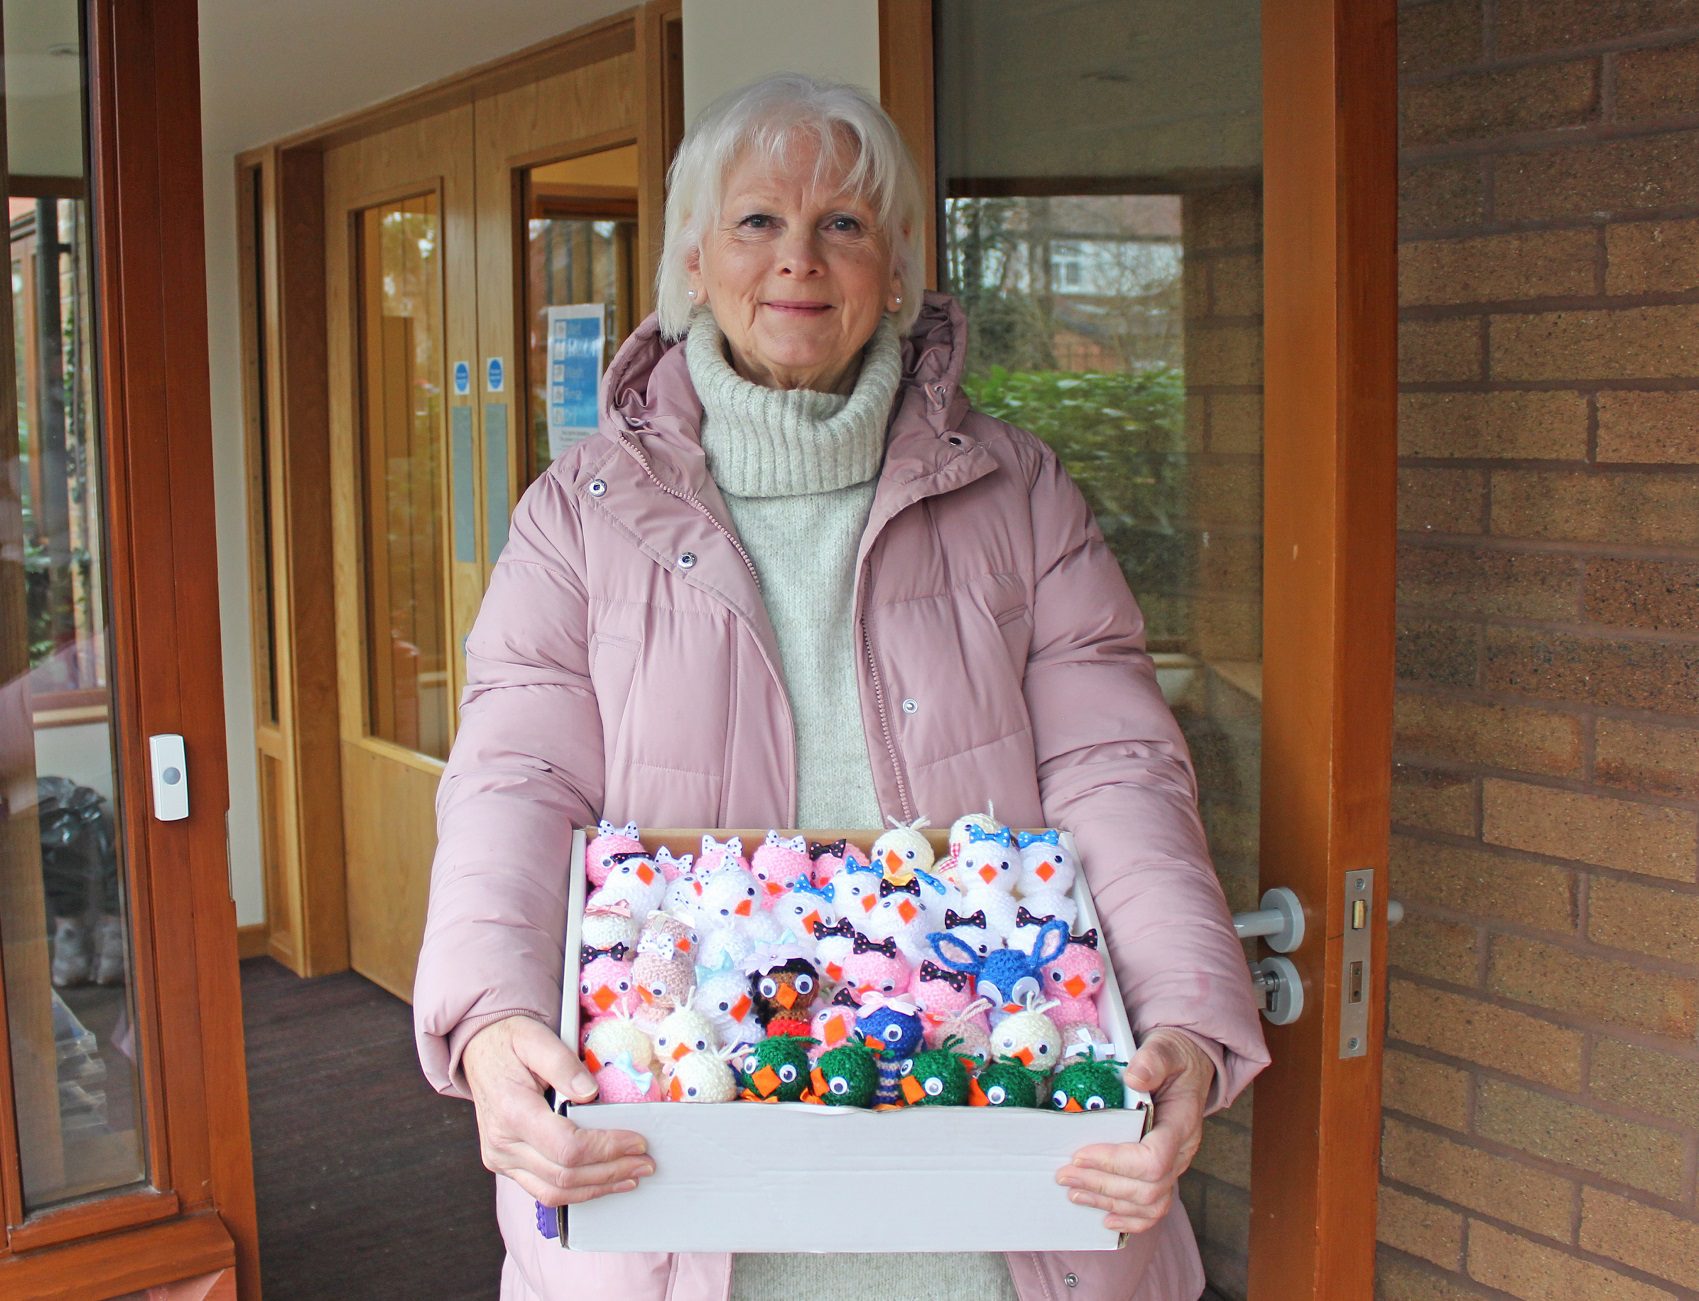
707	514
884	724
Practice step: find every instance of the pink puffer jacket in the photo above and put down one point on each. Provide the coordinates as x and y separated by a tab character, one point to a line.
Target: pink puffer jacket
623	665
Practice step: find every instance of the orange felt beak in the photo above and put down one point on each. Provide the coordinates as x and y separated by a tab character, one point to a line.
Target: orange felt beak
1024	1056
1073	1105
867	903
766	1081
744	908
592	1061
1046	870
976	1095
1075	985
811	921
684	944
675	1090
817	1080
893	860
679	1050
775	889
645	874
603	998
912	1090
988	874
1013	1007
786	997
740	1009
644	994
835	970
907	911
836	1031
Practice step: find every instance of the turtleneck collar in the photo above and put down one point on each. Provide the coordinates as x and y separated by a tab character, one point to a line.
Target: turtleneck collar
764	442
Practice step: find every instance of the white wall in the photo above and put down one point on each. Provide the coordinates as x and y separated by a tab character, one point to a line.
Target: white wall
270	68
729	43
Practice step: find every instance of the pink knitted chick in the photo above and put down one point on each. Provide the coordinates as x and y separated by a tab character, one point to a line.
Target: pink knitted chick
1075	980
778	861
876	966
608	841
623	1081
833	1024
717	854
605	982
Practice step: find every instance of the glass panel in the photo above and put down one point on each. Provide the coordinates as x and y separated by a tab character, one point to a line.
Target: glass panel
580	235
1102	225
260	414
63	894
401	381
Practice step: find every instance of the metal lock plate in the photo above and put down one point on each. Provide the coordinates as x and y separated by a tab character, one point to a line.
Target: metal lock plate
1356	965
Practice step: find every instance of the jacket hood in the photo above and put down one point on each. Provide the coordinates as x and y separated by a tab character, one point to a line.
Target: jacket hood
647	386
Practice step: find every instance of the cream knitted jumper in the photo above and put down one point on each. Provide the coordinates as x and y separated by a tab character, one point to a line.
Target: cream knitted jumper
797	470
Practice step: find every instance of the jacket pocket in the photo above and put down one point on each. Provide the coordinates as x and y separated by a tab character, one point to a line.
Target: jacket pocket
613	664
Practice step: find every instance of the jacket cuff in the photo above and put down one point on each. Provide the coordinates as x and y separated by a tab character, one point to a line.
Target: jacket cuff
1217	1100
449	1076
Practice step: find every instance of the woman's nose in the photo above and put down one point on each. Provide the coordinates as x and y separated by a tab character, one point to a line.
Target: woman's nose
799	256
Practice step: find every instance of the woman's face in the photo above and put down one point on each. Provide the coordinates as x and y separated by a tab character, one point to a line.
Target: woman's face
797	275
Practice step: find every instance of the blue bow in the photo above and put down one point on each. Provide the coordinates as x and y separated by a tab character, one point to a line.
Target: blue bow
998	837
931	882
802	885
1050	837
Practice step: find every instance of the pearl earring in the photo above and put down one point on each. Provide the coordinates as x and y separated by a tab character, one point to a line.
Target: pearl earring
899	300
691	292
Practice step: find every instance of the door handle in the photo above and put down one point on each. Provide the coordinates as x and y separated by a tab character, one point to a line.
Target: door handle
1280	923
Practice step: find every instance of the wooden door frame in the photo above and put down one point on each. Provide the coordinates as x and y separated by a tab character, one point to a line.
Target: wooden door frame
1329	493
151	324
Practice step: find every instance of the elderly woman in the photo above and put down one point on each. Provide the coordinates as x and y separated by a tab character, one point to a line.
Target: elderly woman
799	582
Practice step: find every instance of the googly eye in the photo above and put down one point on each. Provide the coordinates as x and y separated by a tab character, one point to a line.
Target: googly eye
701	1045
893	1033
805	984
1057	974
624	986
933	1087
584	988
1059	1099
838	1085
1096	978
910	853
768	987
690	1092
787	1073
889	986
1094	1103
725	1006
1044	1050
996	1095
725	912
749	1063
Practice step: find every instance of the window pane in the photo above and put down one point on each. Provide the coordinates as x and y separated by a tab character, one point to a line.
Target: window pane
63	891
1102	225
400	278
580	235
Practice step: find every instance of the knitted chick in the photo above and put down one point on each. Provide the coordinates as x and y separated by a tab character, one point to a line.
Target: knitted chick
607	924
606	980
834	1024
776	1069
893	1028
778	861
719	854
1046	863
608	841
833	944
876	966
702	1077
1005	1083
1088	1086
668	938
845	1076
902	851
940	994
802	904
1075	979
622	1080
1030	1037
722	995
784	995
1034	912
683	1030
727	896
857	888
936	1078
609	1037
988	859
900	915
634	879
986	821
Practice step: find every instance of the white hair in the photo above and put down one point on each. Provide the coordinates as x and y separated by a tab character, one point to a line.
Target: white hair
765	117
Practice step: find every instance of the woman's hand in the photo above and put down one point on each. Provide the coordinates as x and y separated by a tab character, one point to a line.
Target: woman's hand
507	1063
1134	1182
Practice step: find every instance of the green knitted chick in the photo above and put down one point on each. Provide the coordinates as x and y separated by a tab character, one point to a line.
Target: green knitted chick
776	1069
937	1078
1006	1083
1088	1086
846	1076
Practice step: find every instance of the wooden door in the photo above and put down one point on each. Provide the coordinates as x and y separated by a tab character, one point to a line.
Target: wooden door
447	239
401	303
124	1156
1172	227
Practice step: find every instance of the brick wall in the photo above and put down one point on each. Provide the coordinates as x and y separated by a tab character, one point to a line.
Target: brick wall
1542	1075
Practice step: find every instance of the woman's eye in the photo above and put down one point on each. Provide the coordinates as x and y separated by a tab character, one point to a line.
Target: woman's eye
846	225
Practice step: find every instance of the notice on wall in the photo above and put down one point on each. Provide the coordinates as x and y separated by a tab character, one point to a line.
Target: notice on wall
575	371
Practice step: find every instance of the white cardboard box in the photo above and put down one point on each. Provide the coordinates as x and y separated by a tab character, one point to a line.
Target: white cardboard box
927	1178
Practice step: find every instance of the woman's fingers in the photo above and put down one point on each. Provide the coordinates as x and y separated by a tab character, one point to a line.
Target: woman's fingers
540	1050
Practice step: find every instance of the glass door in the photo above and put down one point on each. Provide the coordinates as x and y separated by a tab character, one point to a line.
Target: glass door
1177	274
123	1115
